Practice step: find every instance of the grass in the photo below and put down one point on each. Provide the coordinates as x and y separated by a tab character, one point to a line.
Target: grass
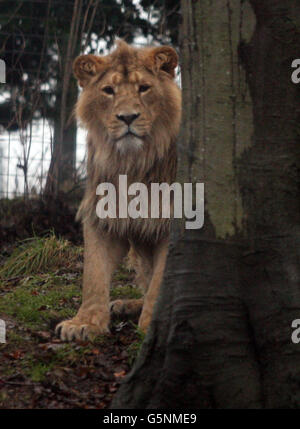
40	255
38	371
46	274
37	359
65	356
40	284
121	284
45	289
40	298
122	273
125	291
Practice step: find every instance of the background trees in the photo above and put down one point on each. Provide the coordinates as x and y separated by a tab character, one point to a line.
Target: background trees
221	334
39	41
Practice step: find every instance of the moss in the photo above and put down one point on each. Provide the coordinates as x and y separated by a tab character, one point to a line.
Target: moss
40	298
122	274
134	348
14	338
38	372
121	284
126	291
3	397
37	366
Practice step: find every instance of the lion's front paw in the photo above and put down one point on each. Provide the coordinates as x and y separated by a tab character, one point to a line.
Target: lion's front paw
73	329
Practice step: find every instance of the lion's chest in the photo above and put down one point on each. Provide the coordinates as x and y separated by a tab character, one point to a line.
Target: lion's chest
133	211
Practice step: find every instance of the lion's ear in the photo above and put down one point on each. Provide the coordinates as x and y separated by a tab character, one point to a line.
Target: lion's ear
87	66
164	58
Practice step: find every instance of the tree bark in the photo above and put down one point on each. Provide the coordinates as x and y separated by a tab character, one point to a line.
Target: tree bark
61	174
221	333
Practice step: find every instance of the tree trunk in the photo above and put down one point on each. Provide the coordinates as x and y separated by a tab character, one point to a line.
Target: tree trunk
61	172
221	332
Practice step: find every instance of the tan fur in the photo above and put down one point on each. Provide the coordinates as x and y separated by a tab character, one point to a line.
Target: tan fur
147	155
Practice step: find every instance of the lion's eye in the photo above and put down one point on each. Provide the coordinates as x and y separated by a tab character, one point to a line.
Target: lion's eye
108	90
144	88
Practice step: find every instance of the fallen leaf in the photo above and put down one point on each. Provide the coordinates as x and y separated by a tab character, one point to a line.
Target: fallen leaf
45	335
17	354
51	346
120	374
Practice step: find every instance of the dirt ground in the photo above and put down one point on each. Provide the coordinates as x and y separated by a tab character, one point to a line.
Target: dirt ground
40	284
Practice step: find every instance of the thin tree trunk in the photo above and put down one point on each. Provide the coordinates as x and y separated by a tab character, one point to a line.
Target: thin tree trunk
221	332
61	173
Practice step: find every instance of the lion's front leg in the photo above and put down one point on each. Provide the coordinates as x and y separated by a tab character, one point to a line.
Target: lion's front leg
101	255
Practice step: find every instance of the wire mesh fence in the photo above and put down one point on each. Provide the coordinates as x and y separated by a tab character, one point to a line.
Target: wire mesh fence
13	182
38	41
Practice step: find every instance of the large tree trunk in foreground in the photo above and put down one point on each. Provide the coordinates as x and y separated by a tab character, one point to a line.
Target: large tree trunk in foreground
221	333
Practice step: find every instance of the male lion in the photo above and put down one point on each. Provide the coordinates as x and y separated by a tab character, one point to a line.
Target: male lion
131	107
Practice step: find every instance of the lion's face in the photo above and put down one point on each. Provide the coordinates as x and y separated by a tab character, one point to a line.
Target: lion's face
128	94
127	106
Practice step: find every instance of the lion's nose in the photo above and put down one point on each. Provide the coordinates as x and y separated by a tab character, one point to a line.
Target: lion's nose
128	119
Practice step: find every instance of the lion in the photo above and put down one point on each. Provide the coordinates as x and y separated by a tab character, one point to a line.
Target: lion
130	105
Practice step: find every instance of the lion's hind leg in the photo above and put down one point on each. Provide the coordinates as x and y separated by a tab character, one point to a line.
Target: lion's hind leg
159	261
127	308
139	259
